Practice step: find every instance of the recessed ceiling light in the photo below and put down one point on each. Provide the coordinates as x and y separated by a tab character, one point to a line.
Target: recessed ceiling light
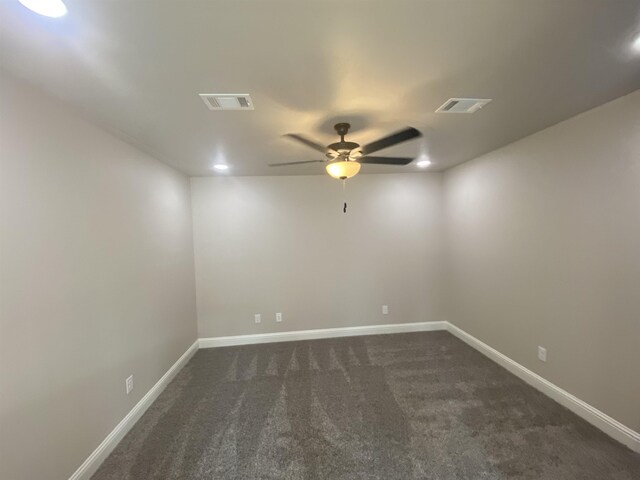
48	8
423	163
221	167
636	43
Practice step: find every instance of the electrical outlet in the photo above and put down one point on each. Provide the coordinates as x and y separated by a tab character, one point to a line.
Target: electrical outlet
257	317
385	309
278	317
542	354
129	384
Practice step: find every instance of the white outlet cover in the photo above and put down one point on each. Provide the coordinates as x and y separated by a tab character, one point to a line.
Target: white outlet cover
385	309
542	354
278	317
257	317
129	384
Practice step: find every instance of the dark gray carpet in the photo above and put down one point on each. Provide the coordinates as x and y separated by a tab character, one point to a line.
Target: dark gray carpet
407	406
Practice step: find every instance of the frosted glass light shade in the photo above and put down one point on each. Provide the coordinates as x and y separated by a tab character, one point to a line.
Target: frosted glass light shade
344	169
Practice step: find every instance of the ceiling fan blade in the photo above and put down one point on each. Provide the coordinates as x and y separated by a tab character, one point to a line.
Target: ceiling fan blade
393	139
307	142
385	160
295	163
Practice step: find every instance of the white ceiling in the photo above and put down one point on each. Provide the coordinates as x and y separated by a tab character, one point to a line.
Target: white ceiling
136	67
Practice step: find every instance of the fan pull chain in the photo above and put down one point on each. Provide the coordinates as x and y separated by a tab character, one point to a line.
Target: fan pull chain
344	194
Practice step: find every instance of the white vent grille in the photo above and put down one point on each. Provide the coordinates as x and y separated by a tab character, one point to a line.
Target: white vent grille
227	101
463	105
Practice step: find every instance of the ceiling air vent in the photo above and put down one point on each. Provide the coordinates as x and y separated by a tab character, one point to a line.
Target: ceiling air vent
227	101
463	105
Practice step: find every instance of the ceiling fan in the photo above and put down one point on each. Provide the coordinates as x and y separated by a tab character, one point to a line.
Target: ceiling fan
344	158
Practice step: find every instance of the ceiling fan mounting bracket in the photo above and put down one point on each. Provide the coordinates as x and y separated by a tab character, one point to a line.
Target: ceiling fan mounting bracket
342	129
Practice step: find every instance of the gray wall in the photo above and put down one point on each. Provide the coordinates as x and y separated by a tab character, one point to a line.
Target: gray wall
544	249
96	282
282	244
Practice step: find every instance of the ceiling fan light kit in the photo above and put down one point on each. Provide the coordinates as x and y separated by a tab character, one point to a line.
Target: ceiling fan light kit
343	169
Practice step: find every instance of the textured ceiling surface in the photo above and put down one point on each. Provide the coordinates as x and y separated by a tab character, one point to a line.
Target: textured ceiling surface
136	68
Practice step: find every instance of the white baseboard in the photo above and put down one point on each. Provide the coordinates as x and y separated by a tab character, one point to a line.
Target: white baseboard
599	419
320	333
99	455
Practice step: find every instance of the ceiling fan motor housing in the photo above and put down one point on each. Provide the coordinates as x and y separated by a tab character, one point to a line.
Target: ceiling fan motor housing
343	148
